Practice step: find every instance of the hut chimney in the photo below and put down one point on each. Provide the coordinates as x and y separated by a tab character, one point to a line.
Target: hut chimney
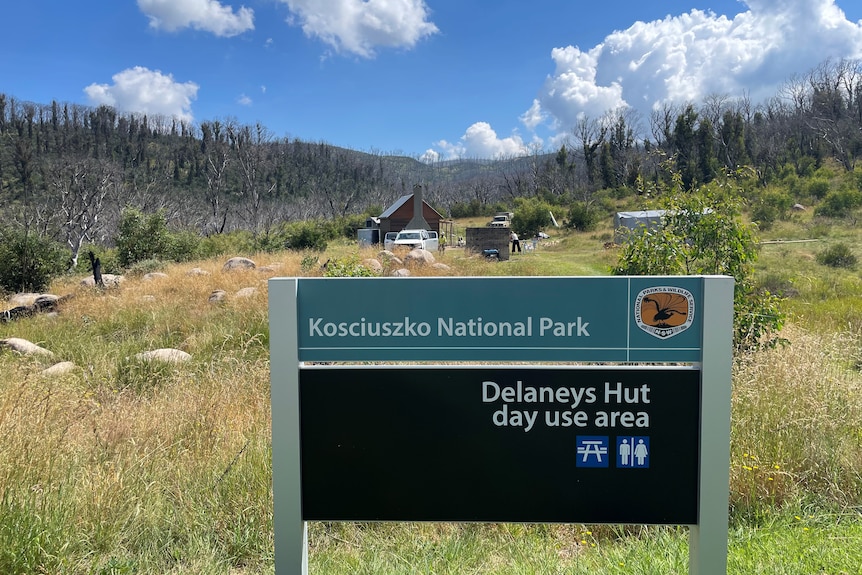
418	221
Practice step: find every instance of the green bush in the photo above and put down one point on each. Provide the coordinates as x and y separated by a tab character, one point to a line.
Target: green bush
147	237
270	243
839	203
348	267
29	263
235	242
837	256
531	216
182	246
346	226
308	235
472	209
818	188
703	235
770	206
582	217
764	215
141	236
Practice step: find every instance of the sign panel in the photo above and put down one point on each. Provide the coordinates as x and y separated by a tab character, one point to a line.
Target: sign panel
613	319
495	444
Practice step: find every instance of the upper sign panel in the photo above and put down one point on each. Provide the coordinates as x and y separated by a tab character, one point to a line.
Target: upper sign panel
618	319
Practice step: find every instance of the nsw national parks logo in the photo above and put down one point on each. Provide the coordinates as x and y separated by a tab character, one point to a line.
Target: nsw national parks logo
664	311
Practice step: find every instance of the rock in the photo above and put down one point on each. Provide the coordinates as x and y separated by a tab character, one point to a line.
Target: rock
43	303
441	267
217	296
271	267
420	257
22	299
246	292
154	276
168	355
197	272
373	265
110	280
24	347
388	258
238	264
46	300
61	368
401	273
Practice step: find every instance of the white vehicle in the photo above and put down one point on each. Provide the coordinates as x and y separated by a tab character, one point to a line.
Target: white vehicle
412	239
389	240
501	220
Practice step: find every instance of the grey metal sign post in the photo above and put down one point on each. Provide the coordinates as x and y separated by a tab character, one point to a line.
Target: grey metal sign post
624	321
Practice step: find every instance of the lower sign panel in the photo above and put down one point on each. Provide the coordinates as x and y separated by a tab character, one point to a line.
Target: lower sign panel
459	444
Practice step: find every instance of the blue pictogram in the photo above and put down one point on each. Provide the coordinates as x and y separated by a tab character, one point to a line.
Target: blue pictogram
633	452
592	451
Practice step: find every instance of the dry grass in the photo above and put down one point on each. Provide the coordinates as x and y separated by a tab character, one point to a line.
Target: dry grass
125	466
797	424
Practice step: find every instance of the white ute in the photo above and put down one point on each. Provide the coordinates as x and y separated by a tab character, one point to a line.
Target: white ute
412	239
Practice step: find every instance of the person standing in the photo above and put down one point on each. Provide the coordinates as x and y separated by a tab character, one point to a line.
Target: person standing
516	244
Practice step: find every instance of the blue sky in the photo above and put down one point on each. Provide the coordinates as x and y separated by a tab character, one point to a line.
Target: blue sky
435	79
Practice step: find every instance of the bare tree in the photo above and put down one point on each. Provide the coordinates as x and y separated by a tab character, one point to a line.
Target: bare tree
82	186
216	151
252	148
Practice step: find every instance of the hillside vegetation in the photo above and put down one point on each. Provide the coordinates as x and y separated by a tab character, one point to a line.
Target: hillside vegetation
125	465
70	174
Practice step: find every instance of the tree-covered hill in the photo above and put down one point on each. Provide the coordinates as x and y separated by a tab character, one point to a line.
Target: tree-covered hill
68	171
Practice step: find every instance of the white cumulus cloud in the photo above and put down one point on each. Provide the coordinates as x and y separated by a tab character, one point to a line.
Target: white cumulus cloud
686	58
681	59
206	15
362	26
142	91
480	141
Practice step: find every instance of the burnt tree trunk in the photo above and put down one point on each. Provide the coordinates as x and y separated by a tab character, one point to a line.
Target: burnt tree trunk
96	263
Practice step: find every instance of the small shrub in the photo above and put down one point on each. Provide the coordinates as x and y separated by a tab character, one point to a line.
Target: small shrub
765	215
531	216
839	204
145	266
141	236
308	263
306	236
348	267
230	243
182	246
582	217
818	188
346	226
269	243
778	284
29	263
472	209
772	205
837	256
819	229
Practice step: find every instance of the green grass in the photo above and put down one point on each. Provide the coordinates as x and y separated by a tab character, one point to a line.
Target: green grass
127	467
789	544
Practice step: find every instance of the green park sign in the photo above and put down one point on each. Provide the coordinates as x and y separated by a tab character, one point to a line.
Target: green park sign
516	431
500	319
